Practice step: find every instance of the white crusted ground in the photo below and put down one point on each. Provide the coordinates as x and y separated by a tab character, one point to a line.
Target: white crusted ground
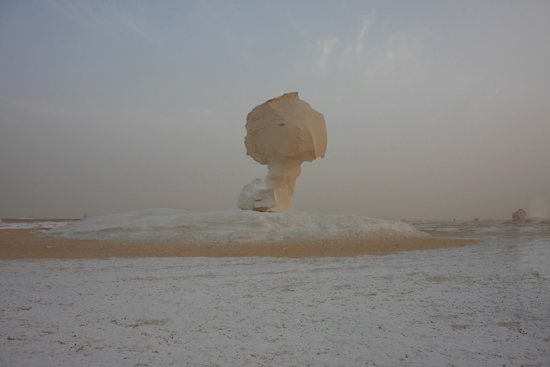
482	305
230	226
31	225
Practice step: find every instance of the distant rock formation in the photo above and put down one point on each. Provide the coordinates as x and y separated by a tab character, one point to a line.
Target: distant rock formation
31	217
476	219
257	196
282	133
406	221
85	216
519	216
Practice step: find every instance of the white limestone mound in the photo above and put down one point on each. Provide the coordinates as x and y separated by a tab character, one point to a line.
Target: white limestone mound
535	220
519	216
234	226
282	133
256	196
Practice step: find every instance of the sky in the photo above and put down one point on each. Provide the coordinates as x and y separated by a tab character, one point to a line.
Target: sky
434	110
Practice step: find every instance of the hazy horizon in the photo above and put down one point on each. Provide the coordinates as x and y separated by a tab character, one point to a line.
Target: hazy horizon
434	110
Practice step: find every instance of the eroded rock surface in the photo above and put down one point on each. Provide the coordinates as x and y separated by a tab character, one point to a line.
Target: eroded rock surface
257	196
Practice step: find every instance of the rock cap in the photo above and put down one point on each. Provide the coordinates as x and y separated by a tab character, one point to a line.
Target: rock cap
285	127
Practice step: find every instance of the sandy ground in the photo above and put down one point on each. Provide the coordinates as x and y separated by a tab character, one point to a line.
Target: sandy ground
22	244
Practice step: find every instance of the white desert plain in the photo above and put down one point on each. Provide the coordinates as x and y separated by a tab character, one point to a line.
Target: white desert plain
266	286
477	295
273	183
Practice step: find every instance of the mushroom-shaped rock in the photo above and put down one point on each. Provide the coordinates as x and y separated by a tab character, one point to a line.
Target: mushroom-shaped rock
519	216
282	133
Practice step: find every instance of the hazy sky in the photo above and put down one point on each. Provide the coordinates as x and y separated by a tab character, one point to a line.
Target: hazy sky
434	110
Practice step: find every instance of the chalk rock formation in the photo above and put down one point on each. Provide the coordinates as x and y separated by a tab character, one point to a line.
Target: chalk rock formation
282	133
519	216
225	228
257	196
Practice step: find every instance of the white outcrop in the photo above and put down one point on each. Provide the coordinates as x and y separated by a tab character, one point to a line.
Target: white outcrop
535	220
257	196
282	133
519	216
232	226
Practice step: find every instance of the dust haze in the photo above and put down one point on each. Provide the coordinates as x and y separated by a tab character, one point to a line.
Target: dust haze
433	110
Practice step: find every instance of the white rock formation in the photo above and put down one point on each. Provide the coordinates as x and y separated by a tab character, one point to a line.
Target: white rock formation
282	133
232	226
257	196
519	216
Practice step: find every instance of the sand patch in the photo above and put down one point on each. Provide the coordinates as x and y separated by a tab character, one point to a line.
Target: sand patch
22	244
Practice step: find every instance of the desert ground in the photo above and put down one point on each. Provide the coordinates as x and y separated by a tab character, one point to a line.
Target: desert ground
478	294
22	244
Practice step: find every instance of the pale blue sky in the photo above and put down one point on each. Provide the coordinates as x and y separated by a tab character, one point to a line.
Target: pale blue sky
434	110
